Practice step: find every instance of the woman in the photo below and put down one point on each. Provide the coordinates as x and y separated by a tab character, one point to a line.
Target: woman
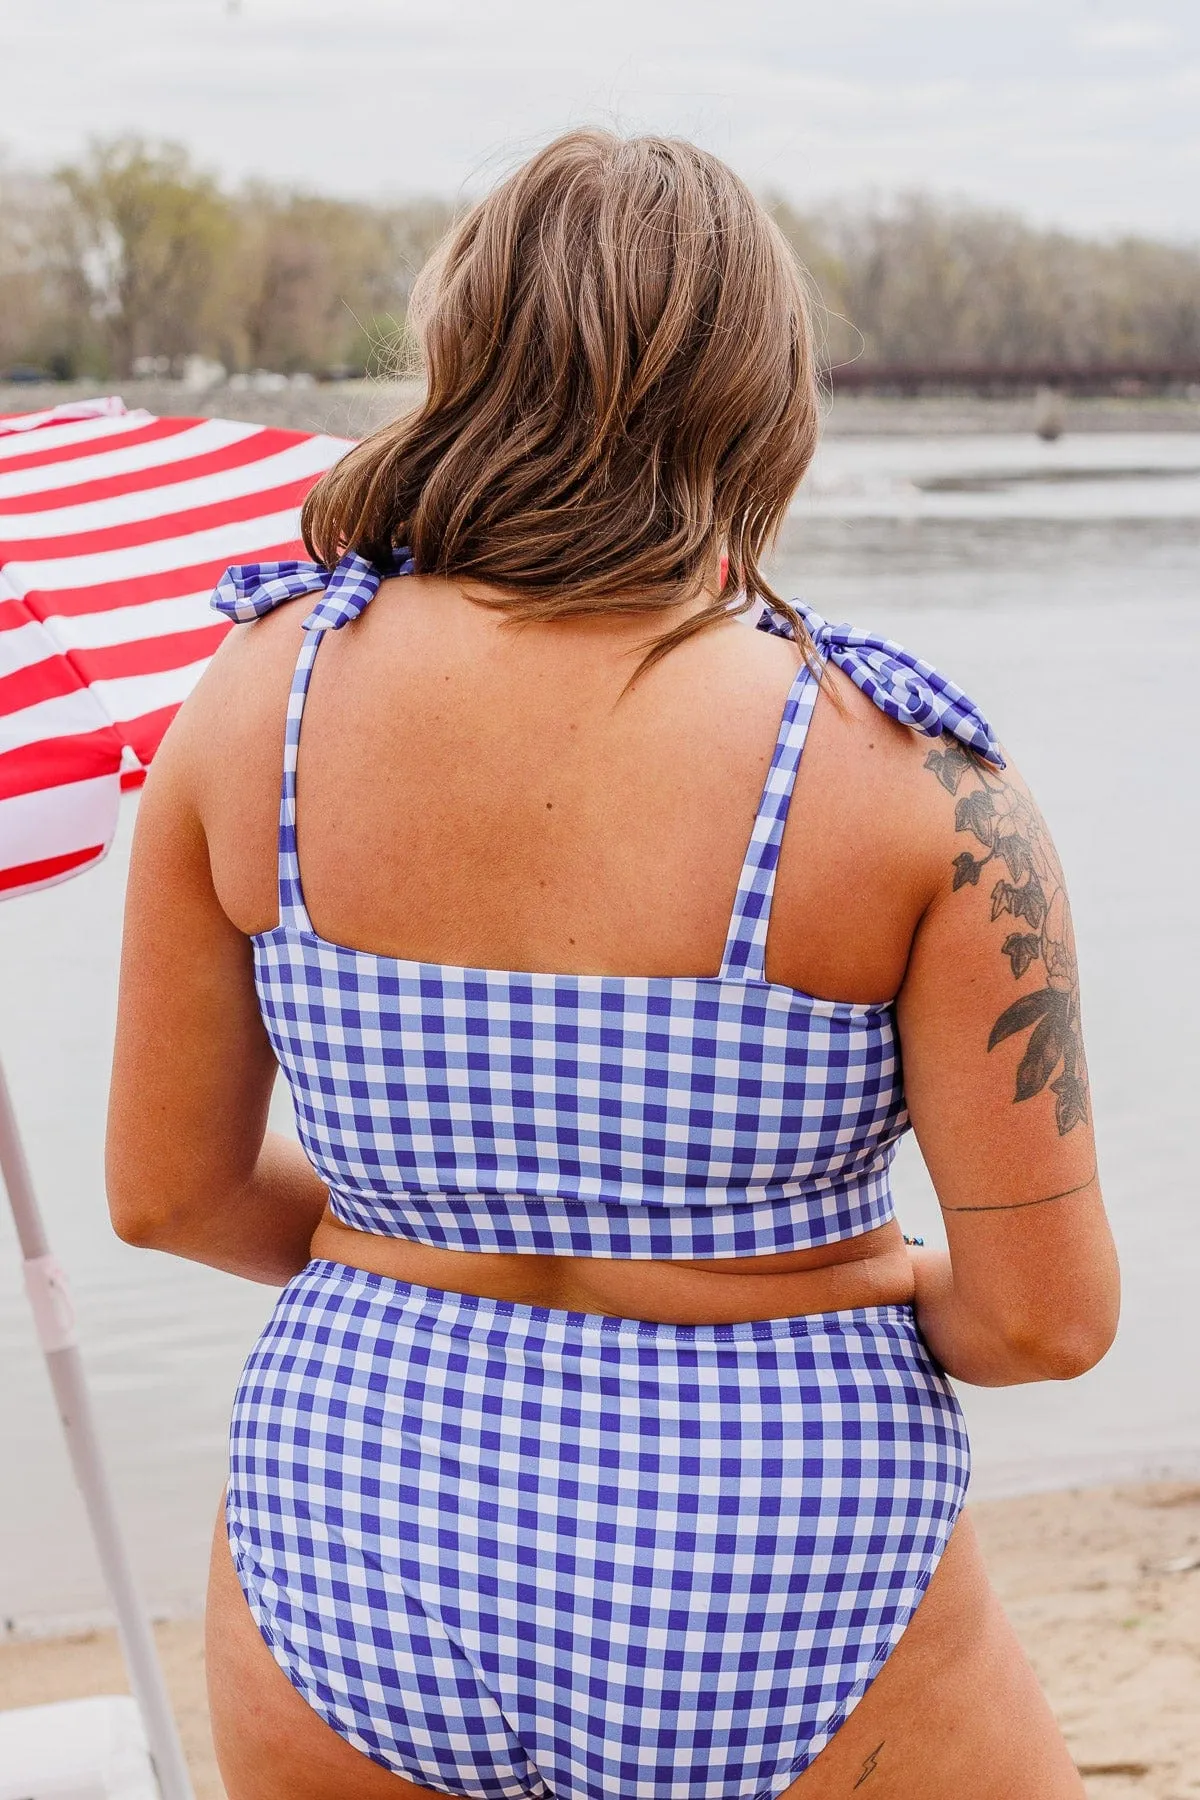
599	1443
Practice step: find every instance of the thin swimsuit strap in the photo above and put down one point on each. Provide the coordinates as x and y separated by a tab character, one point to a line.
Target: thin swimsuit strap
908	690
901	685
746	943
248	591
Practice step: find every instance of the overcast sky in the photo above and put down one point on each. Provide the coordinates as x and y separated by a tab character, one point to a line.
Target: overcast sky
1079	112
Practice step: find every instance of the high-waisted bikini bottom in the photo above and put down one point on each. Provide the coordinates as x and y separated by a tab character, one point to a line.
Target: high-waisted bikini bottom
506	1550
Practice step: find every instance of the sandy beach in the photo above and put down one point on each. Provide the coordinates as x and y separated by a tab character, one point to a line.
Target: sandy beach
1103	1586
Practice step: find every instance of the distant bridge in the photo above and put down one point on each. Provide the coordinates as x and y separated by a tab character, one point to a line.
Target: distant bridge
1110	379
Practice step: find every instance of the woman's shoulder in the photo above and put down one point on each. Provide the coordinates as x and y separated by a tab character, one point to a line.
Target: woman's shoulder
245	687
872	832
226	742
895	680
892	735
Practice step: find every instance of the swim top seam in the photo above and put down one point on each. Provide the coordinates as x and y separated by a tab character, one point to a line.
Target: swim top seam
814	1187
480	972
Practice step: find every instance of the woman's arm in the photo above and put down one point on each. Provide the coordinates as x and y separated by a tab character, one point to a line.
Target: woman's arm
997	1088
191	1167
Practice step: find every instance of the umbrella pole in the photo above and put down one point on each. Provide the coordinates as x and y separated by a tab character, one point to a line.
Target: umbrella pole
54	1318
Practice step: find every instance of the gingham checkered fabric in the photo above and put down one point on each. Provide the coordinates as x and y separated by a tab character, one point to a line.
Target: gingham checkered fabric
248	590
900	684
487	1110
510	1551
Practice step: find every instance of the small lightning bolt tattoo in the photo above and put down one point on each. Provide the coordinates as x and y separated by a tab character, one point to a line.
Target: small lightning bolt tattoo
870	1766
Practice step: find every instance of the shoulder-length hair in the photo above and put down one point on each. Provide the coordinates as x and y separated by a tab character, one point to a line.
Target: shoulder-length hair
621	391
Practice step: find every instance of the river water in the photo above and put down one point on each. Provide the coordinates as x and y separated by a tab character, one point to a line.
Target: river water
1061	586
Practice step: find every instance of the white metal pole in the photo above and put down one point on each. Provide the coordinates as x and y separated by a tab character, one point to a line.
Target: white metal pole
54	1317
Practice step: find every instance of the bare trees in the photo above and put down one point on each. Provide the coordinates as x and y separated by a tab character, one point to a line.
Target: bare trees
41	306
153	236
918	282
325	283
132	252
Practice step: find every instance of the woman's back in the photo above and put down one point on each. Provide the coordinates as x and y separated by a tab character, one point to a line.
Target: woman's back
470	793
600	1441
681	1103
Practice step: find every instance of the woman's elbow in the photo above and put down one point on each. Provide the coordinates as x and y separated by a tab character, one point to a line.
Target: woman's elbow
1061	1349
137	1221
141	1213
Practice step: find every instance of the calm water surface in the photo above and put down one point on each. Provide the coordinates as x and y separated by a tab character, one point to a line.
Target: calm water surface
1061	586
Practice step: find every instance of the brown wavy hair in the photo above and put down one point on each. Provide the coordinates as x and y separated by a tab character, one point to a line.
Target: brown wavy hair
621	387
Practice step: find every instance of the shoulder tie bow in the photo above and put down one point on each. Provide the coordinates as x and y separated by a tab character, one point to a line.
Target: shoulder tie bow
248	590
899	683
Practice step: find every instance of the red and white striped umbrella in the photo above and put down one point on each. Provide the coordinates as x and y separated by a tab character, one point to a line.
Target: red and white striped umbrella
114	528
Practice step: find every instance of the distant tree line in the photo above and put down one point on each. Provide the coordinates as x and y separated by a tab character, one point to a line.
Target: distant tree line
133	257
925	283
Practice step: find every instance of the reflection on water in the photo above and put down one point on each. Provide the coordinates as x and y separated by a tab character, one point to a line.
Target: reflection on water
1003	479
1043	565
976	478
1079	632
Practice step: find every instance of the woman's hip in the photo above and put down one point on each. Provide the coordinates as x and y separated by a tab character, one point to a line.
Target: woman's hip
357	1376
497	1512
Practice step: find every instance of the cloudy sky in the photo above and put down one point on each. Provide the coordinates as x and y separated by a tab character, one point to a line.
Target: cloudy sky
1079	112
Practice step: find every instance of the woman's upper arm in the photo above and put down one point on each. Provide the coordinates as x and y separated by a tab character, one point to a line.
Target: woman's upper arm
994	1064
193	1068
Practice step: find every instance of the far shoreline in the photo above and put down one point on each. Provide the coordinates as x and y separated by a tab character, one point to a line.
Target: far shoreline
354	408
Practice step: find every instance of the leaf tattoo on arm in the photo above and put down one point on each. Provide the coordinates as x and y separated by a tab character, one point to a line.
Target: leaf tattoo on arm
1029	893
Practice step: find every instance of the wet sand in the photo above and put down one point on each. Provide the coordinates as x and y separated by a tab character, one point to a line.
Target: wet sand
1103	1586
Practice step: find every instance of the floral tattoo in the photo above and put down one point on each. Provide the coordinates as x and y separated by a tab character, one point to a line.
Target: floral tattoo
1030	894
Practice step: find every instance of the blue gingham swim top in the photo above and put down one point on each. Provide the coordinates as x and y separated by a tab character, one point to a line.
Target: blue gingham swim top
589	1115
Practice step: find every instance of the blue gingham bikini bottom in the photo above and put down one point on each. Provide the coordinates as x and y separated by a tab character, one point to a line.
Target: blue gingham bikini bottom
507	1550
